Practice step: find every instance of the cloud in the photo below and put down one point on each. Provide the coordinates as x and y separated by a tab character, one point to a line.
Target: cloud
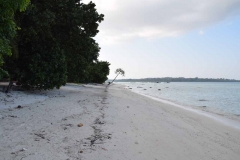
127	19
201	32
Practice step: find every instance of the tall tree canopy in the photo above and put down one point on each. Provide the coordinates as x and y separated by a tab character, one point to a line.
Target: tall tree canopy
8	27
55	44
76	24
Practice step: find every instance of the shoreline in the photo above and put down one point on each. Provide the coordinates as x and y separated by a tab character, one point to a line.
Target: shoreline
117	124
222	119
232	120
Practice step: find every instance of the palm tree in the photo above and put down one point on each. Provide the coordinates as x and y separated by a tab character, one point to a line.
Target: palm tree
118	71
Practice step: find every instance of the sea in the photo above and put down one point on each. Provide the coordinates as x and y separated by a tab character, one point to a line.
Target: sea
216	98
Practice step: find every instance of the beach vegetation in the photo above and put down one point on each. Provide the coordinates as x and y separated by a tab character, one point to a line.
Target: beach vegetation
98	72
118	71
55	45
8	27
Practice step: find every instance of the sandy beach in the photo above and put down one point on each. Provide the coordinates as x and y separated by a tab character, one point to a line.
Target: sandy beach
92	122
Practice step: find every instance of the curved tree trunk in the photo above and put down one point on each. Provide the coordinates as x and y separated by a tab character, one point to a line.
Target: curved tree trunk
114	79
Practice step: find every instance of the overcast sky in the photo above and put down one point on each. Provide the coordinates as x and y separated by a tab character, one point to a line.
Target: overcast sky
171	38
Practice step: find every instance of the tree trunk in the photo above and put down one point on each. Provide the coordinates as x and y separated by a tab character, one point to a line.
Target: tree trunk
9	87
114	79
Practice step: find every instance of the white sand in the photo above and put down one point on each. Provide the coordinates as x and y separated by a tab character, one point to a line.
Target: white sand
117	125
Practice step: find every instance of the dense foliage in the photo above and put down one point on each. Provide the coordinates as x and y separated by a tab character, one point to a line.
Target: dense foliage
98	72
76	24
56	45
8	27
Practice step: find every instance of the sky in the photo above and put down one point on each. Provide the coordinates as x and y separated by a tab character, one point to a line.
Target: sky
170	38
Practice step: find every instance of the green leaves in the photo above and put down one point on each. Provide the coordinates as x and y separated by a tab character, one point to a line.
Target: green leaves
98	72
5	49
76	24
23	4
8	27
55	45
45	70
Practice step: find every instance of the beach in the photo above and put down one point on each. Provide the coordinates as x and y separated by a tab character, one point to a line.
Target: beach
95	122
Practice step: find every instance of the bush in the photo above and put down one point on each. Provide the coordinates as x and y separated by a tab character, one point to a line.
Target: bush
98	72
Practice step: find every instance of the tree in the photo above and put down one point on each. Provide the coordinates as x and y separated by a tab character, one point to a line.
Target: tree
56	45
76	24
41	63
118	71
45	69
98	72
8	27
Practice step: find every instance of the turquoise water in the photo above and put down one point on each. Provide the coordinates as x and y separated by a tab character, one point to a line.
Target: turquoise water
221	98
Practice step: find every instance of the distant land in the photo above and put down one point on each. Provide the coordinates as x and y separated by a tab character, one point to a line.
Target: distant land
178	79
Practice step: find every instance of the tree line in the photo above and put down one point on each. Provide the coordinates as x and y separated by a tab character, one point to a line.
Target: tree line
178	79
50	43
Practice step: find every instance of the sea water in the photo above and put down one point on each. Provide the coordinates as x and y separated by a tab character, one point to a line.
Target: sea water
222	98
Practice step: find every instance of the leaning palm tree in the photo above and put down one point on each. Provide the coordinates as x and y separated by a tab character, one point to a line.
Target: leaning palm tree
118	71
